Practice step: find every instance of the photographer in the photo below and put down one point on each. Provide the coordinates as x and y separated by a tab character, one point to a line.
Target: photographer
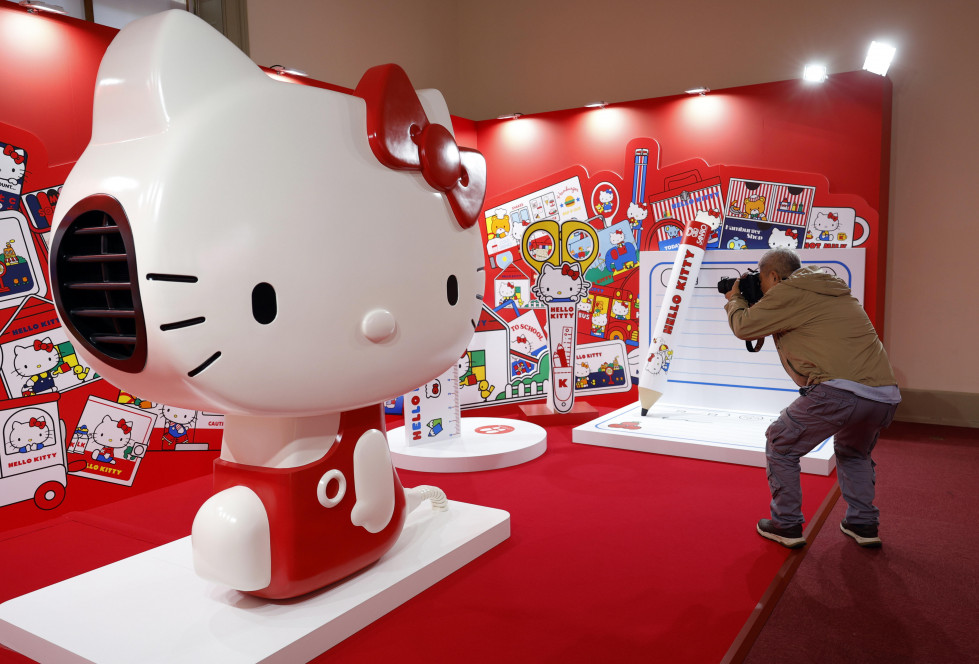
829	347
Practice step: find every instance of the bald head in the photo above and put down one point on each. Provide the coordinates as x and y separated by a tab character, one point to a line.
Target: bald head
782	260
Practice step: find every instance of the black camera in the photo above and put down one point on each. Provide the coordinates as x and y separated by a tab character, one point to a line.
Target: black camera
750	286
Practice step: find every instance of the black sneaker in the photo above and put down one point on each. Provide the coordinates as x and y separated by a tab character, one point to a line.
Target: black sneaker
864	535
790	537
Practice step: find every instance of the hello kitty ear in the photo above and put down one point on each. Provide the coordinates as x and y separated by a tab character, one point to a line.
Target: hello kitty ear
159	67
106	419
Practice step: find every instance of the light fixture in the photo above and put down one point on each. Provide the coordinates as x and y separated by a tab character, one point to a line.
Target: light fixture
702	90
511	116
597	104
879	57
34	6
279	69
814	73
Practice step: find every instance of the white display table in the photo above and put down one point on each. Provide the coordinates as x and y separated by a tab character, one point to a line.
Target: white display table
486	443
153	608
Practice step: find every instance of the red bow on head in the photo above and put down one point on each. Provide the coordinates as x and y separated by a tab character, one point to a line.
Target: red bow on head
40	424
569	271
126	428
833	216
402	138
792	233
714	213
40	345
16	156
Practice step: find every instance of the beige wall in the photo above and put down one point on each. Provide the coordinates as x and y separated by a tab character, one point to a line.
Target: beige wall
502	56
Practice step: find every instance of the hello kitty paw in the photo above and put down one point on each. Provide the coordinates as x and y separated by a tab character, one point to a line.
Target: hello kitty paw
231	542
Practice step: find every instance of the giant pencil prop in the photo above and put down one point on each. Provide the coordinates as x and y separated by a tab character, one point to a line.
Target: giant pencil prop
689	255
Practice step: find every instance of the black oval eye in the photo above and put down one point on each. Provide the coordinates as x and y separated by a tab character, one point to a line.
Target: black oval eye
263	303
452	289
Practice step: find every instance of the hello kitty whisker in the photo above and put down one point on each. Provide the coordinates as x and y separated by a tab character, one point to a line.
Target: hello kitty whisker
178	278
204	365
479	296
480	269
166	327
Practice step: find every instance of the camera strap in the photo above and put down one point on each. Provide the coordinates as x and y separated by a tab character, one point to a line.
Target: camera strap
756	347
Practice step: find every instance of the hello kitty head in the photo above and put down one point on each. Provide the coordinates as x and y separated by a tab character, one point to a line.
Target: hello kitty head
826	221
782	238
564	284
112	433
29	435
179	415
616	237
13	165
581	370
605	196
656	361
599	319
710	217
620	308
231	304
463	364
507	290
637	211
37	358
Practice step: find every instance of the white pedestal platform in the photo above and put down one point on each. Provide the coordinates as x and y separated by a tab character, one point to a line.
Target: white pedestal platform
486	443
152	608
697	433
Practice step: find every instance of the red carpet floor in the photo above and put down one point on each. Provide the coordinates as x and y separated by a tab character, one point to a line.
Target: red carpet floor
614	556
914	600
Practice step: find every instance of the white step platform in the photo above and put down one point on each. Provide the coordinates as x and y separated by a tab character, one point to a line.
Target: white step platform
486	443
152	607
727	436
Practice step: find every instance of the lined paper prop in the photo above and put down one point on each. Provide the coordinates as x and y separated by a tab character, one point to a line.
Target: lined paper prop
683	277
561	253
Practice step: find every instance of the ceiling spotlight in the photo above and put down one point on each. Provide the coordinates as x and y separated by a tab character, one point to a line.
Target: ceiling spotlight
279	69
597	104
511	116
814	73
33	6
879	57
698	91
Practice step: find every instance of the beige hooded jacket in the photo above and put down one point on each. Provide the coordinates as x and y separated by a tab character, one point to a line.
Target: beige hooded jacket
821	331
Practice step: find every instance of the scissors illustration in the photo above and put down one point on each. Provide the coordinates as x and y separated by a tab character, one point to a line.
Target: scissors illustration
561	253
553	242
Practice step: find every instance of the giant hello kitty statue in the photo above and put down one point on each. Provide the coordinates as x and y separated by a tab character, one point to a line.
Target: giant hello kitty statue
287	255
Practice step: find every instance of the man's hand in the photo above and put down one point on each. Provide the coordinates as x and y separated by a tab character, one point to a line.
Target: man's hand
735	290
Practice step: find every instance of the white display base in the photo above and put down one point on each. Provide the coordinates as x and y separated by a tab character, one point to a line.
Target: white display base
728	436
486	443
153	608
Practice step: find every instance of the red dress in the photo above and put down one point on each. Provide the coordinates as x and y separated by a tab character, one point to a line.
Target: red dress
312	545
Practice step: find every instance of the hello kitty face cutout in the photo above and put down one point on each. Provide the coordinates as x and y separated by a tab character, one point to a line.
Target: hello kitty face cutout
261	302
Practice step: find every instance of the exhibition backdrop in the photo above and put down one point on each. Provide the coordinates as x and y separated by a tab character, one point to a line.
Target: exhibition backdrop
783	163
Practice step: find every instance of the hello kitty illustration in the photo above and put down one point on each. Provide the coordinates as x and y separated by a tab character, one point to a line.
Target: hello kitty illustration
783	238
581	371
620	310
656	362
605	198
38	364
178	422
599	319
28	436
13	165
306	493
564	284
636	213
622	255
506	292
110	435
826	223
522	345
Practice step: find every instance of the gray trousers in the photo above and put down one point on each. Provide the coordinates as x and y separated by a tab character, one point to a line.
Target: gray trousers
808	421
